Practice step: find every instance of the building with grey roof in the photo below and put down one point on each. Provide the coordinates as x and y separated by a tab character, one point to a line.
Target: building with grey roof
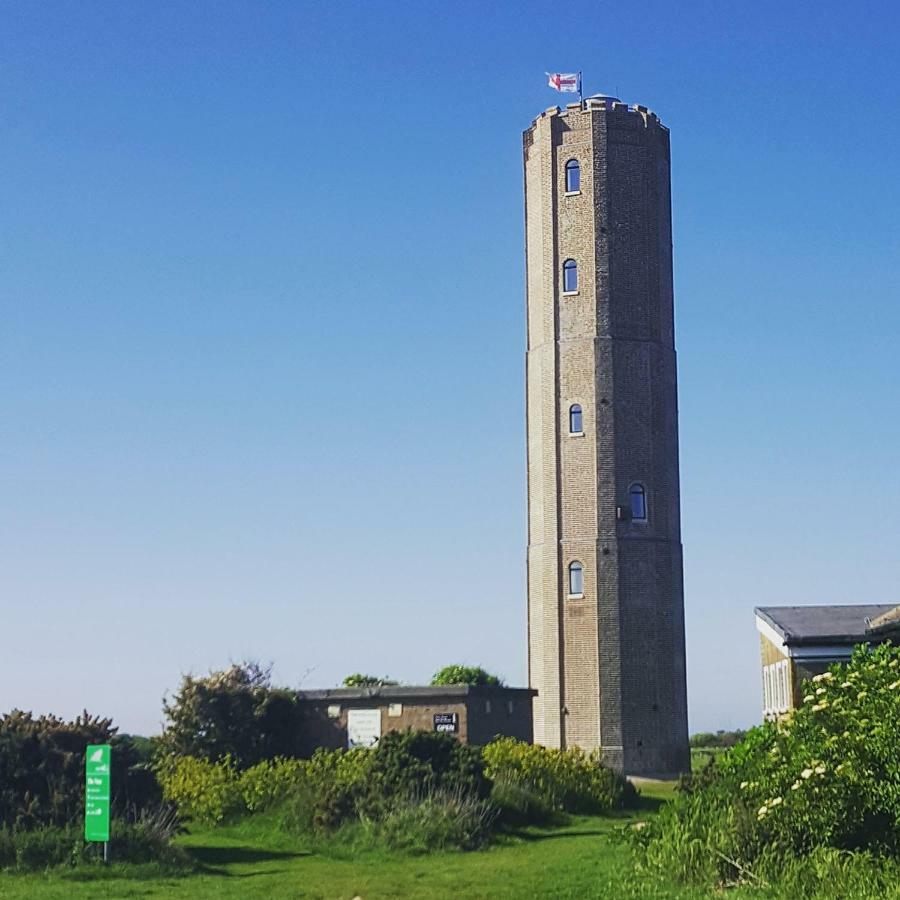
798	642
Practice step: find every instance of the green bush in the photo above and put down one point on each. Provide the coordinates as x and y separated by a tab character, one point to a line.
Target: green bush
42	769
236	713
565	780
204	791
459	674
341	786
268	783
825	779
706	739
43	848
437	820
409	763
518	805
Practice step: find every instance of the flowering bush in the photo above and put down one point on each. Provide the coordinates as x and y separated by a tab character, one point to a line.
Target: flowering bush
569	780
828	777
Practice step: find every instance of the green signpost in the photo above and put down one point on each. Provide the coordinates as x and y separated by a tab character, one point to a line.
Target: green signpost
96	793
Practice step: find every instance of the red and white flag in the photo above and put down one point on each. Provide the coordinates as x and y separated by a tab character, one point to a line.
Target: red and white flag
565	82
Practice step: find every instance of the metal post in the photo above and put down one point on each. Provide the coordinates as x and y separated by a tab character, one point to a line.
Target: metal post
105	852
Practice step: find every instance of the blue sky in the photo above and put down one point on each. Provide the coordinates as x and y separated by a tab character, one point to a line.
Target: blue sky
263	330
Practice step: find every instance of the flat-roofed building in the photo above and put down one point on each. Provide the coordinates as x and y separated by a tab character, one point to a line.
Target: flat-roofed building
798	642
358	717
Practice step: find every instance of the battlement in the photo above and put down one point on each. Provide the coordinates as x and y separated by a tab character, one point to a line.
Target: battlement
611	106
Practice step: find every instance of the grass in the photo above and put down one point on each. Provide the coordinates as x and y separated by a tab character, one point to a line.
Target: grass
255	859
578	860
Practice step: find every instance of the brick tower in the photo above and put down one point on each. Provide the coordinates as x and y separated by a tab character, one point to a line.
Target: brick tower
605	595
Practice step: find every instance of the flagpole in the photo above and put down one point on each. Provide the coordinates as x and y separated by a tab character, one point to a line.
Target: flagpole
580	97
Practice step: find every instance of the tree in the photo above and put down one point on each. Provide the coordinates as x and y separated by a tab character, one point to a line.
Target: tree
235	712
357	679
459	674
42	769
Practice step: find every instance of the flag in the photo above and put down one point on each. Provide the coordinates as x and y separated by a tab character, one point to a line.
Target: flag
563	82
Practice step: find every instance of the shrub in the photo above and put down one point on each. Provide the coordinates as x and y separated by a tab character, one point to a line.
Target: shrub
825	779
566	780
408	763
341	786
42	769
336	781
458	674
235	713
44	848
517	805
268	783
707	739
437	820
146	841
204	791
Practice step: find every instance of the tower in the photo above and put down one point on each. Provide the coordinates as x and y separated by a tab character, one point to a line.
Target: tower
605	596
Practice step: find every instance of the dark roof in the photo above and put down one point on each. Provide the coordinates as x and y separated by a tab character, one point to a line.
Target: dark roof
417	692
823	624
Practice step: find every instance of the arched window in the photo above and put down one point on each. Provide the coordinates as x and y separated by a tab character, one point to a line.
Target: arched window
573	176
570	276
576	579
575	422
638	497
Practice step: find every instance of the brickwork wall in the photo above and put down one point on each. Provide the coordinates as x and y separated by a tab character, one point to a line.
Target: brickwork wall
482	716
614	659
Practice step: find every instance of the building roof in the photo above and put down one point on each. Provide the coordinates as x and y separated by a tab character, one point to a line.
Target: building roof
829	624
418	692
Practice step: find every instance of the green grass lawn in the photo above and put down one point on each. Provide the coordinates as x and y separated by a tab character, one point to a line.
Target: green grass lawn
585	858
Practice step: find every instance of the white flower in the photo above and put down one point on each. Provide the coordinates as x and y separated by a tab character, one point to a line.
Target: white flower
820	691
762	811
820	770
806	773
795	785
824	676
808	698
846	684
775	802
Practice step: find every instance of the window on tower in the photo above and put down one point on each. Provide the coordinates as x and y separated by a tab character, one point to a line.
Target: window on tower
575	419
638	498
573	177
576	579
570	276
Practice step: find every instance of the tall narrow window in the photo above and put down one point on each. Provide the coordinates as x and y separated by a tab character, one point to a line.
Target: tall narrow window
573	176
575	423
638	497
576	579
570	276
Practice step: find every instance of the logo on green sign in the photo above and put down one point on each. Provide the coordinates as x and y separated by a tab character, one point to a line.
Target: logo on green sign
96	792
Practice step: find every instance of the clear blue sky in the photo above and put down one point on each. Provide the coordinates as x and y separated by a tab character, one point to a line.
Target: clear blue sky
262	340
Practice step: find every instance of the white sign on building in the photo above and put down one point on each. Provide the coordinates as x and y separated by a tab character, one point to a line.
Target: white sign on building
363	727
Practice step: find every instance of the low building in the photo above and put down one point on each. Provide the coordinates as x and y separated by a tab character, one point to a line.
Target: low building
798	642
358	717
